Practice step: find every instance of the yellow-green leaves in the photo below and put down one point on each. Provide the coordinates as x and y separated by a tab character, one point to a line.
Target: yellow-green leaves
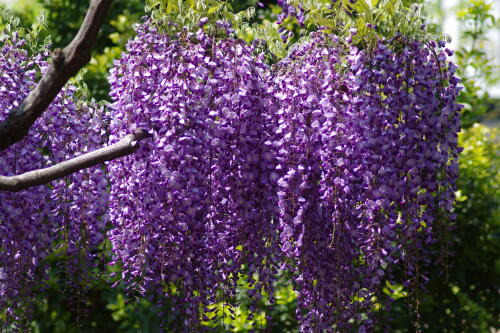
174	15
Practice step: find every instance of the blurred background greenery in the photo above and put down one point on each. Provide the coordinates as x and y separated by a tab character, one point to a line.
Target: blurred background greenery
467	300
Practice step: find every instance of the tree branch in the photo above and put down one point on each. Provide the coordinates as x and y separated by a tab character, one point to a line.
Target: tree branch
65	64
127	145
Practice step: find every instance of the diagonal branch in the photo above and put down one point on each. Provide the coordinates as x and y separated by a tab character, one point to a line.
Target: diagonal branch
127	145
65	64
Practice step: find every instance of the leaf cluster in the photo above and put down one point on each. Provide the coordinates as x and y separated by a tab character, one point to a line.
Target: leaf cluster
476	68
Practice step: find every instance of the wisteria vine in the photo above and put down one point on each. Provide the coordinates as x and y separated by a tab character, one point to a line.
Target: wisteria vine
69	215
348	155
336	164
367	145
206	194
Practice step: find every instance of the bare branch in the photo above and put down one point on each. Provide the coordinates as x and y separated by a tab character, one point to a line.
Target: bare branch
127	145
65	64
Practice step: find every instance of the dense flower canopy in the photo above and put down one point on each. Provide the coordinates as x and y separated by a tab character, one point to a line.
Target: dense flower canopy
367	151
337	164
205	182
67	214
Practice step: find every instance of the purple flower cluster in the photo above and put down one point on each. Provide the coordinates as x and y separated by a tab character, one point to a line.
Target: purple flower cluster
289	10
68	213
367	152
338	163
306	89
193	210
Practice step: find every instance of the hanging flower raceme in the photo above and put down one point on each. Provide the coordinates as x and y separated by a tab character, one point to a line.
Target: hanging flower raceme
367	155
193	210
301	111
66	214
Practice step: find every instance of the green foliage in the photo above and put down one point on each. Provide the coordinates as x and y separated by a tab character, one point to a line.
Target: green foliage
475	67
63	18
31	32
96	72
185	15
27	11
371	19
265	29
104	309
278	317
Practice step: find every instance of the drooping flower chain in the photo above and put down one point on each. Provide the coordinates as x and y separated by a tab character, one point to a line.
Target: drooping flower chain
194	208
69	213
367	160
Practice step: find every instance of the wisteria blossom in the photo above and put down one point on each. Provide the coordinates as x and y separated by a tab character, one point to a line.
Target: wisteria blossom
336	164
68	213
193	210
367	150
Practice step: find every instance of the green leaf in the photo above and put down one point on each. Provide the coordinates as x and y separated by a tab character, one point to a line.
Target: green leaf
214	9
